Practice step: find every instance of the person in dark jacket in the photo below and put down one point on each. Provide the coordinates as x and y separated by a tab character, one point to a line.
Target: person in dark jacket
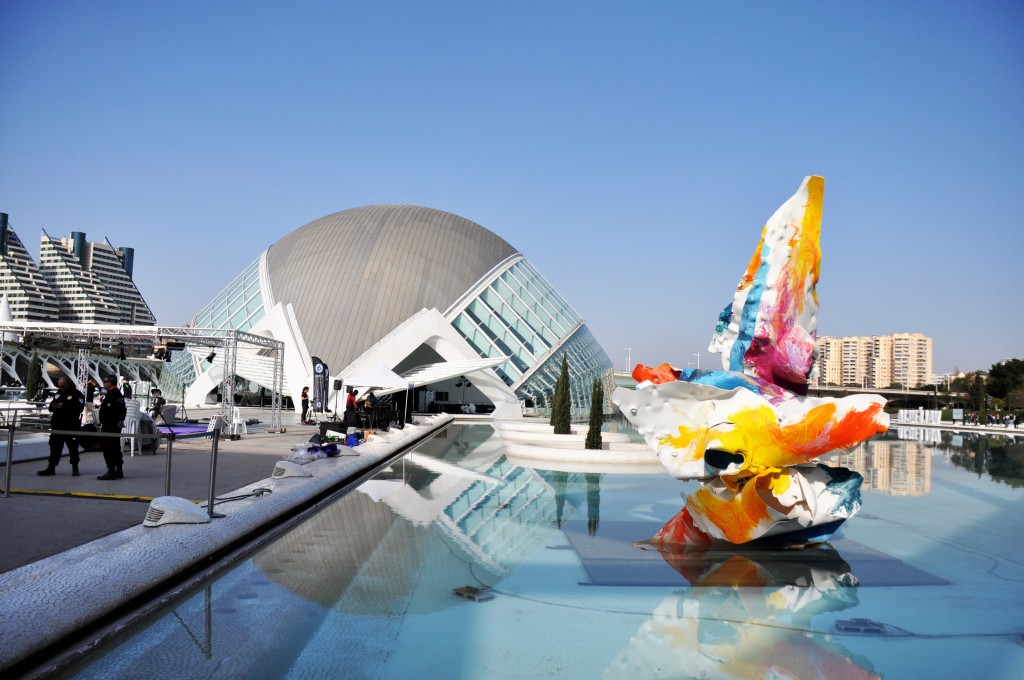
112	413
65	414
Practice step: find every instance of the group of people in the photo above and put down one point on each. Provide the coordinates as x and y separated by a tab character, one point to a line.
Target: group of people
369	406
66	420
1007	420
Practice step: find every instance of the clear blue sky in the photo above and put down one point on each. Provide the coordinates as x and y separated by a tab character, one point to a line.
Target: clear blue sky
632	151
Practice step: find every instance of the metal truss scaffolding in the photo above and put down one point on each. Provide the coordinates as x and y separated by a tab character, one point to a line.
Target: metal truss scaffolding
227	341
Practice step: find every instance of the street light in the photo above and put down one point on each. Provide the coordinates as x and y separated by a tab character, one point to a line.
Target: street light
463	383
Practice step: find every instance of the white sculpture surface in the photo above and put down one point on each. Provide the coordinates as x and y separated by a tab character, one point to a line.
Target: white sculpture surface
748	432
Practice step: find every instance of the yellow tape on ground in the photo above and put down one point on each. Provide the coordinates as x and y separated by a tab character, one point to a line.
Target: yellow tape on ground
81	494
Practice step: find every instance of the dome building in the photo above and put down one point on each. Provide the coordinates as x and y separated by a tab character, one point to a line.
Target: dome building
435	297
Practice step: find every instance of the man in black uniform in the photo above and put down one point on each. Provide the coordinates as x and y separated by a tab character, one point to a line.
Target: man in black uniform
65	414
112	413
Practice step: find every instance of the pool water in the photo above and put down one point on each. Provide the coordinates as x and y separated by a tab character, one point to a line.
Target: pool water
456	563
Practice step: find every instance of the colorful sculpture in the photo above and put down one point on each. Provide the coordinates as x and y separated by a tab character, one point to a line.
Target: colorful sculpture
747	432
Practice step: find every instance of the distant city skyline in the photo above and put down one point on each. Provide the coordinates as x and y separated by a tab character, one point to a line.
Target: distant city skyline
633	153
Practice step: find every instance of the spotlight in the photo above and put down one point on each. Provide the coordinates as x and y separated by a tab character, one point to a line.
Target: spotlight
209	359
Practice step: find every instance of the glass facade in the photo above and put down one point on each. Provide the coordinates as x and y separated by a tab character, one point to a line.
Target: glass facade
519	315
239	307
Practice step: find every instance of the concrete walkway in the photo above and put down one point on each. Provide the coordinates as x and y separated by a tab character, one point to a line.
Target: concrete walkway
75	549
47	515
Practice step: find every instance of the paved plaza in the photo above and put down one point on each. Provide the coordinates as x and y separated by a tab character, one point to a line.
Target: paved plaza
47	515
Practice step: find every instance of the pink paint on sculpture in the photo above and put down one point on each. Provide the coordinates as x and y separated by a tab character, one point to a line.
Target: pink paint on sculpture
748	433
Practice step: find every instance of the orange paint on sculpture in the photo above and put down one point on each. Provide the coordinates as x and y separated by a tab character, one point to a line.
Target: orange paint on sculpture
660	375
738	517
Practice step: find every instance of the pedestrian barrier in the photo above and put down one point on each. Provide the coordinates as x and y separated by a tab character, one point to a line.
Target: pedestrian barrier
213	434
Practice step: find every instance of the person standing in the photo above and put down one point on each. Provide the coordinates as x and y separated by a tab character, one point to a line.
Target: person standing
126	390
112	413
65	414
305	403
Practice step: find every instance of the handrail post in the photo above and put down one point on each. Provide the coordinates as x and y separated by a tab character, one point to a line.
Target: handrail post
10	459
213	474
167	471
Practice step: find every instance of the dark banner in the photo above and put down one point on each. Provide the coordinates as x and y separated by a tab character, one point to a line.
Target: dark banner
320	375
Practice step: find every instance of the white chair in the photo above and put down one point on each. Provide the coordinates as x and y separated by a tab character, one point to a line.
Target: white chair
133	413
238	422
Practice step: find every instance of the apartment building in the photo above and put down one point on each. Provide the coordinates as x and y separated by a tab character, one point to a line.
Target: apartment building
92	281
880	373
856	355
75	281
830	359
875	362
28	293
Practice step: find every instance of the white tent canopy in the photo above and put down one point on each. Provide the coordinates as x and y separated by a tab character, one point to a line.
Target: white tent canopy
380	376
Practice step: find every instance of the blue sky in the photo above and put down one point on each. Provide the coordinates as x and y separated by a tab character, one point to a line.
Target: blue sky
632	151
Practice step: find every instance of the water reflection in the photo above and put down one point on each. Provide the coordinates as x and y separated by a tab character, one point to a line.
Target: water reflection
900	462
891	466
560	484
740	633
1002	457
360	588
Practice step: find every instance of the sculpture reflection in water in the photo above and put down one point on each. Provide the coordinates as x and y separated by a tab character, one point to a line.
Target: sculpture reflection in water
725	629
749	433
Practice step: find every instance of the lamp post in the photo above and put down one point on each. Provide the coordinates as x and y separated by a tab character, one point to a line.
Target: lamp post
463	383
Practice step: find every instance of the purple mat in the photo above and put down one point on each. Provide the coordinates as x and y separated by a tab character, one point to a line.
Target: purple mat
185	428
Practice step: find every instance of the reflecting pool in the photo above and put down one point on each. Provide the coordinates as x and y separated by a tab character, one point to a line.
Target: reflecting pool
456	563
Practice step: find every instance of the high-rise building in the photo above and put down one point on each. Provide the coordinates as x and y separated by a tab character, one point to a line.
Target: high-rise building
76	281
875	362
830	360
28	293
911	359
92	281
881	362
856	355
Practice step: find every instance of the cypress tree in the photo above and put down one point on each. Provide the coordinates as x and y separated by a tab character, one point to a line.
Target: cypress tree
35	375
554	400
562	409
593	440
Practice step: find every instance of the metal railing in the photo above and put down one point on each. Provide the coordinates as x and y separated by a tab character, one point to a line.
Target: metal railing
214	435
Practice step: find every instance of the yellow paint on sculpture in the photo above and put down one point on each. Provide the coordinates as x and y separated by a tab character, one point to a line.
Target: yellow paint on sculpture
756	434
690	442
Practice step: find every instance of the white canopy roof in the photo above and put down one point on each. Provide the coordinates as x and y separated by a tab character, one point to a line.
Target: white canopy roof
380	376
432	373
